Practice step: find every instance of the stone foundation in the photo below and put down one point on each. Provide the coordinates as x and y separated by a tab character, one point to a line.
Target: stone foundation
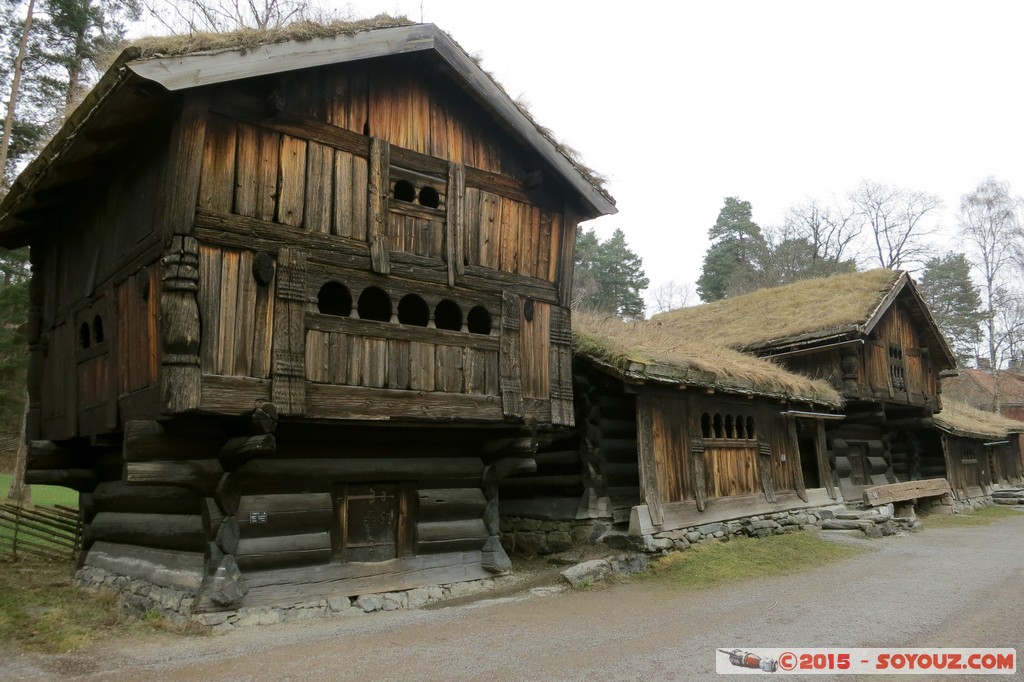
142	597
533	536
948	505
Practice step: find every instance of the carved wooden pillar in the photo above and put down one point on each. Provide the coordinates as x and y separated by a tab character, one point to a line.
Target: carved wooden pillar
849	363
560	367
180	374
288	385
697	473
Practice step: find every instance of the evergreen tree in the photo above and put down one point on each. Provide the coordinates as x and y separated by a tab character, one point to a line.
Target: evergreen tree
609	276
732	258
954	302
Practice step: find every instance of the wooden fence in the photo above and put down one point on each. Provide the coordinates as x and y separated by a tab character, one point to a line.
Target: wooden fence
46	532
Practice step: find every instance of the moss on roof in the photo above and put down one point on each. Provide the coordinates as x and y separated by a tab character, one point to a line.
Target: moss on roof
249	38
964	420
645	351
820	307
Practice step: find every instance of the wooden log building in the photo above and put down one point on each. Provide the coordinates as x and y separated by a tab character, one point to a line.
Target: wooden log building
977	452
674	432
296	311
870	336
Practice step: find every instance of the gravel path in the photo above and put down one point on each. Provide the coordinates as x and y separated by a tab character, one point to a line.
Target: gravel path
953	587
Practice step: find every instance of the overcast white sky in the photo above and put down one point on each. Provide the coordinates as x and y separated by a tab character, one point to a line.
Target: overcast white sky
681	103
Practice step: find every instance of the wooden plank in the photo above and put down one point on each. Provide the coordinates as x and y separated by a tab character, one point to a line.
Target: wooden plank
282	551
245	321
188	141
910	490
210	259
650	491
441	504
338	359
567	251
510	360
291	192
398	364
372	328
357	402
317	356
163	567
228	312
217	184
352	579
824	470
698	475
421	366
263	330
685	515
377	213
319	188
454	224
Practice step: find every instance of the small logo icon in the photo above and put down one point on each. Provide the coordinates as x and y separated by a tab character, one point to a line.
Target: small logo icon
745	659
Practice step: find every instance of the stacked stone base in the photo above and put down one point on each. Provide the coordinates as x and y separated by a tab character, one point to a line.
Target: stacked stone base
947	505
1013	496
177	606
532	536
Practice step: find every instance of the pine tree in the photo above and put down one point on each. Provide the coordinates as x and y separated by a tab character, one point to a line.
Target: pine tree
954	302
736	241
609	276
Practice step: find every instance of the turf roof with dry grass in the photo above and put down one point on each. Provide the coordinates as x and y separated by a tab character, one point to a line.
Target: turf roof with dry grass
963	420
820	307
646	352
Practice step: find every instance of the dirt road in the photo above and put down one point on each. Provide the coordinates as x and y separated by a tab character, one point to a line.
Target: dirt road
953	587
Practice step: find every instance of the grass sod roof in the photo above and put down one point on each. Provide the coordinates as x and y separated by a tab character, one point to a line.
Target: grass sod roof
644	351
960	419
815	307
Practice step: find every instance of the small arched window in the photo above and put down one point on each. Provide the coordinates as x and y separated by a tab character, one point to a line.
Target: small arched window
334	299
479	320
448	315
429	197
741	427
730	426
705	425
404	191
97	329
374	304
751	433
719	430
413	310
84	336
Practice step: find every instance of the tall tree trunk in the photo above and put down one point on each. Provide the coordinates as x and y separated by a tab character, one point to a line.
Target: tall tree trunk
20	491
5	142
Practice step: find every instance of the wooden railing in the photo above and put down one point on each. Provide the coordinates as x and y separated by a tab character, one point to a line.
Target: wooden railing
46	532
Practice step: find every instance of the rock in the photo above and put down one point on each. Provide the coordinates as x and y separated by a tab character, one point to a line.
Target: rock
369	602
589	572
531	543
628	564
338	603
757	525
417	597
693	536
843	524
559	541
211	619
258	615
711	528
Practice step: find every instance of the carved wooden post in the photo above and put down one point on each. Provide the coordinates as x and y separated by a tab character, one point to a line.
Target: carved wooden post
454	225
560	367
288	386
764	461
849	363
180	374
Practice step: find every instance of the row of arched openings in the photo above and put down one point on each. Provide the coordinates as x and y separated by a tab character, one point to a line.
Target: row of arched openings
90	334
334	298
727	426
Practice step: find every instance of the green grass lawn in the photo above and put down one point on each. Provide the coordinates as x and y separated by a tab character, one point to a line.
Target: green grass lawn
44	495
981	517
744	558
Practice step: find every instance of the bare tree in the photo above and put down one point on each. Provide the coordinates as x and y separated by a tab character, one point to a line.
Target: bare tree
991	230
12	103
219	16
895	218
831	229
671	295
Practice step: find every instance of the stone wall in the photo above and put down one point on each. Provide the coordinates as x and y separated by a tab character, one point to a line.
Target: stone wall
533	536
947	505
143	597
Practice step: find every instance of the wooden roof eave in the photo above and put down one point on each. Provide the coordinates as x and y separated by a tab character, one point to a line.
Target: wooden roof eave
198	69
112	81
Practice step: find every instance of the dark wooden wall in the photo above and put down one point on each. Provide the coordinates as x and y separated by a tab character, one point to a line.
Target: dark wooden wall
869	372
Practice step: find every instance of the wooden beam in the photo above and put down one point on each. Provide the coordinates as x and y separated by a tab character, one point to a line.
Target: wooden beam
650	487
910	490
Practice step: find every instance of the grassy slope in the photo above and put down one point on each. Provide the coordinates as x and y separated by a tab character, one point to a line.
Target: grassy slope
43	494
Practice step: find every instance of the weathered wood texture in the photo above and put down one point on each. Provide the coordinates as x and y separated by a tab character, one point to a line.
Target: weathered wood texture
290	585
163	567
901	492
